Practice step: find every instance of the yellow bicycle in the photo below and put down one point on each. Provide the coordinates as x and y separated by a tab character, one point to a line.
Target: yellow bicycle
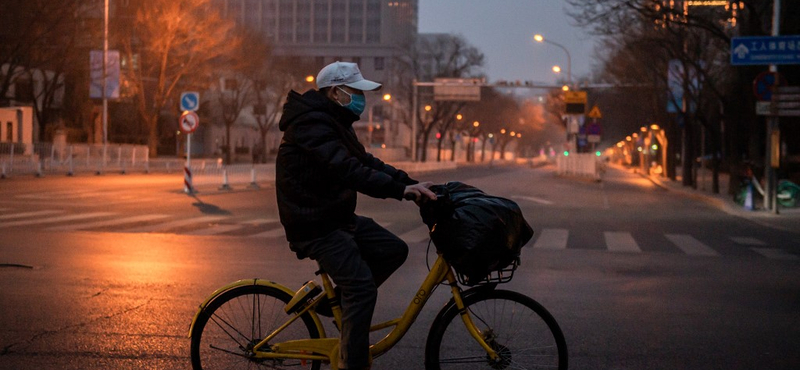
257	323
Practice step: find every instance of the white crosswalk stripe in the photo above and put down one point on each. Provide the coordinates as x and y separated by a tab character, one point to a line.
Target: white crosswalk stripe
80	216
28	214
775	253
746	240
104	223
214	230
174	224
274	233
552	239
690	245
621	242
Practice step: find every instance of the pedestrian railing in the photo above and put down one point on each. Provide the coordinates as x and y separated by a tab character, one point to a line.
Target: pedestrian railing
44	158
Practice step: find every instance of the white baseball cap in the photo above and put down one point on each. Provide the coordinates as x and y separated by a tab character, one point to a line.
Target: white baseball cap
344	73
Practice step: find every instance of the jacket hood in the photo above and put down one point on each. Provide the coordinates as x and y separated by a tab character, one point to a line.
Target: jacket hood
298	105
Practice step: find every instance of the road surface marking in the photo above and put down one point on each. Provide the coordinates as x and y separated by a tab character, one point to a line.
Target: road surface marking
775	253
79	216
745	240
690	245
173	224
417	235
119	221
214	230
552	239
259	221
621	242
274	233
28	214
65	194
532	199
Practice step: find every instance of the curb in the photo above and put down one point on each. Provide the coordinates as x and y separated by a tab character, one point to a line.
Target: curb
727	206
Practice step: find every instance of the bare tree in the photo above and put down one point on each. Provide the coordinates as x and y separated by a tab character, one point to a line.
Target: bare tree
438	55
173	44
37	50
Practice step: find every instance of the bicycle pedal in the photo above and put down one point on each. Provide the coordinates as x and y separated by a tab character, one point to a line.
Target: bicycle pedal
302	297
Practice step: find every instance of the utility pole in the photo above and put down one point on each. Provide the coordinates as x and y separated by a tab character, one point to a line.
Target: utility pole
773	128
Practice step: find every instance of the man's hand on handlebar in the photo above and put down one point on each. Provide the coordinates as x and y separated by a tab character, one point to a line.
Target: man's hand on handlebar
419	193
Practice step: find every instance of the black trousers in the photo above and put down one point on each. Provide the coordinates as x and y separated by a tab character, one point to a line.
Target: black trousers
358	261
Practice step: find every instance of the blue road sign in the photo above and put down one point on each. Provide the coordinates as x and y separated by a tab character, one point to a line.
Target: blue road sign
754	50
190	101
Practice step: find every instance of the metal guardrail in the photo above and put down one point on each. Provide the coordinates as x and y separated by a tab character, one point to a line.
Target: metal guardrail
43	158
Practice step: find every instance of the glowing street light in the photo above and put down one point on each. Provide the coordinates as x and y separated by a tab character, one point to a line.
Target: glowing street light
476	124
309	78
459	116
556	69
428	108
387	97
540	38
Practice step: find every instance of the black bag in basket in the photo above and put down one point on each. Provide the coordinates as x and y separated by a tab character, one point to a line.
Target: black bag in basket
477	233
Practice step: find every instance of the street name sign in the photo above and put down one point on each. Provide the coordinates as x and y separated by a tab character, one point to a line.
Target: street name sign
457	89
190	101
756	50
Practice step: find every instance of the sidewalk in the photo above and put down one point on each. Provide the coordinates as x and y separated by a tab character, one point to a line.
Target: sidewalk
788	219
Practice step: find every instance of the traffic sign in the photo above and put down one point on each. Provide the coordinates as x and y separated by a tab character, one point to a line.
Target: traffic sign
190	101
188	122
575	97
754	50
595	112
458	89
765	82
575	102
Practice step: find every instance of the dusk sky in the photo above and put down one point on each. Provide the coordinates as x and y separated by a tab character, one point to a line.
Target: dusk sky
503	30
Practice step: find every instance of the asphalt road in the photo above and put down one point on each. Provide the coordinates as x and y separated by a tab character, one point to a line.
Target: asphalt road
106	272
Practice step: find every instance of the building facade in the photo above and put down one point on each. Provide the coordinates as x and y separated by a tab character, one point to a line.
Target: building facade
371	33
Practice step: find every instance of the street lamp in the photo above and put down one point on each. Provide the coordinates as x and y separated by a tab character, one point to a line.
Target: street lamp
556	69
540	38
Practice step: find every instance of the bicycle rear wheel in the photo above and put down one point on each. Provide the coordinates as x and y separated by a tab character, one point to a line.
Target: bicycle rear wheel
229	327
518	328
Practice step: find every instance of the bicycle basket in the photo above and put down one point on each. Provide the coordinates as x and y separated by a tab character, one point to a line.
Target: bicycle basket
500	276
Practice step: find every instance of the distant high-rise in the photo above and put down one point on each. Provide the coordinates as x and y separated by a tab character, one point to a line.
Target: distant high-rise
369	32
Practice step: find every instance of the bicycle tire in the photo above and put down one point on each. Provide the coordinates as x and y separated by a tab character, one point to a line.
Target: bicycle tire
231	324
520	329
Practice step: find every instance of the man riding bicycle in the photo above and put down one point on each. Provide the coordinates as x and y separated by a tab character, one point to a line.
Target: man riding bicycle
320	168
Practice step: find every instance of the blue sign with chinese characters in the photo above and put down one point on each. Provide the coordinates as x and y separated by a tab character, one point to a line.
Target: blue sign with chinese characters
753	50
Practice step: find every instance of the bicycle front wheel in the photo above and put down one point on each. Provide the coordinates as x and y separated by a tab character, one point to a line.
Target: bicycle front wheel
233	323
518	328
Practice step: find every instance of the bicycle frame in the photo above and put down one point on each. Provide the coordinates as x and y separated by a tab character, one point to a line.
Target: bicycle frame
327	349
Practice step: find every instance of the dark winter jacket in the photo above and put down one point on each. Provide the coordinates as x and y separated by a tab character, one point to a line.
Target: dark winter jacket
321	165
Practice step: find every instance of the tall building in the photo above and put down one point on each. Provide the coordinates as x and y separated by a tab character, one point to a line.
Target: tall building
371	33
368	32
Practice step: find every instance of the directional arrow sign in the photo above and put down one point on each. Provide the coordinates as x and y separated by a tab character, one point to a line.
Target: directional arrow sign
753	50
190	101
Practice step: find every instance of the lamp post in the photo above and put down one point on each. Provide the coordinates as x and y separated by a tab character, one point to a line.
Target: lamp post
105	83
540	38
